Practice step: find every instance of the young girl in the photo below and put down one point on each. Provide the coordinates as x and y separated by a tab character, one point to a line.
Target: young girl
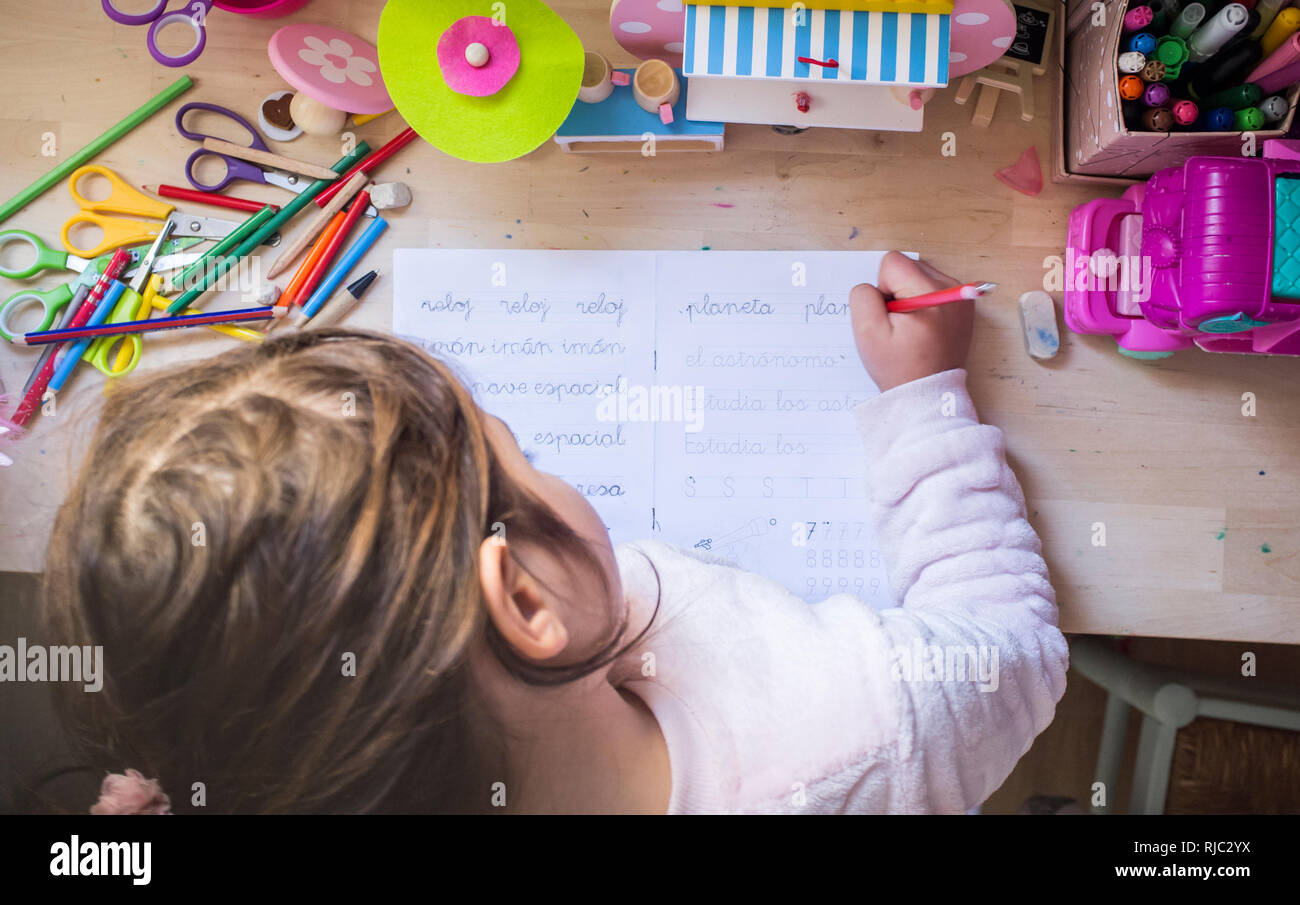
325	580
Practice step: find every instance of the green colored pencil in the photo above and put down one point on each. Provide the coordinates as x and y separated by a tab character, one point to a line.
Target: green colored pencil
236	236
286	213
63	170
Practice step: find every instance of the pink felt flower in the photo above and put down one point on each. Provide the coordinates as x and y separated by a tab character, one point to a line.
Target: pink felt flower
131	794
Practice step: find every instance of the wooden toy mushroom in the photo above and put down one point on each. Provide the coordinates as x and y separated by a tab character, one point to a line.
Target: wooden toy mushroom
650	29
333	72
981	32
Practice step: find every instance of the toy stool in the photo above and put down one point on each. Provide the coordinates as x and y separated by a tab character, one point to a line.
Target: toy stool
1003	75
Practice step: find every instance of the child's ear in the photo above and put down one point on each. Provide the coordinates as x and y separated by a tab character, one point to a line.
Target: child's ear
516	605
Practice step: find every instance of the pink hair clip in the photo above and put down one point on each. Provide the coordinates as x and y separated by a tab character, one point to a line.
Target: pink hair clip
131	794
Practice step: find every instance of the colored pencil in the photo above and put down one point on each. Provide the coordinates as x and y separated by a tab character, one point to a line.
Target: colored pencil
287	213
63	170
69	313
360	119
322	218
313	258
214	254
341	305
341	270
965	292
228	201
369	164
36	392
268	159
202	319
69	360
160	303
355	212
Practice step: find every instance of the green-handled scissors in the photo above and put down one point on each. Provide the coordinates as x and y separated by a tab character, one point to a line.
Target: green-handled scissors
52	301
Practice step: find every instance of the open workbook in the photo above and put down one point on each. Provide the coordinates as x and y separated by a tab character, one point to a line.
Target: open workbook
702	398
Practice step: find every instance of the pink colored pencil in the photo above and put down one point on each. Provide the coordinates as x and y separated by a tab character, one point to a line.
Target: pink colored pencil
116	265
965	292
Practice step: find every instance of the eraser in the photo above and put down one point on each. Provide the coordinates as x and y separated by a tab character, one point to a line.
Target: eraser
388	195
268	295
1038	320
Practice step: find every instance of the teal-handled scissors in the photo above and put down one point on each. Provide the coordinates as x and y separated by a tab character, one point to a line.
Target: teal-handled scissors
52	301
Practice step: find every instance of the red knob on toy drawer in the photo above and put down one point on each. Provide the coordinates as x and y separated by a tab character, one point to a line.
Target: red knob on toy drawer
802	102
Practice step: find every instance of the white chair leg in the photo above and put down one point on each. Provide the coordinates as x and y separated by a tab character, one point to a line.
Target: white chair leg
1151	772
1110	754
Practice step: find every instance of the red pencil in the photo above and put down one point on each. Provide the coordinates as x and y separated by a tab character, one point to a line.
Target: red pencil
116	265
184	194
368	164
309	263
359	205
942	297
202	319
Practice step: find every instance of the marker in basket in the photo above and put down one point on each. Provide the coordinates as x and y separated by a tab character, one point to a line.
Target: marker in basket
1138	18
1144	43
1156	94
1188	21
1274	108
1206	41
1159	119
1132	63
1185	112
965	292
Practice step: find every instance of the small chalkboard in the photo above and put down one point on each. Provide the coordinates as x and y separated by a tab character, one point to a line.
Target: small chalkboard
1033	28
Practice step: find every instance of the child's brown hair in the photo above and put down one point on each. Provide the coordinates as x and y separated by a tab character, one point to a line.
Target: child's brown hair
243	524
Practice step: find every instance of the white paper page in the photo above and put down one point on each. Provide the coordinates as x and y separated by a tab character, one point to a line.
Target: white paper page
774	477
539	336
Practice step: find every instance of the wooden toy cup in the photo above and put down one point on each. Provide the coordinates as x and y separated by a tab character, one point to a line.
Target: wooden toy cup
597	78
656	88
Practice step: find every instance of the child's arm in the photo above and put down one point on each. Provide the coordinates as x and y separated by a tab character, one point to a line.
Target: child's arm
962	558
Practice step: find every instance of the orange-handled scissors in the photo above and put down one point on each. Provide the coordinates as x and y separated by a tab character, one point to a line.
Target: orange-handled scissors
128	202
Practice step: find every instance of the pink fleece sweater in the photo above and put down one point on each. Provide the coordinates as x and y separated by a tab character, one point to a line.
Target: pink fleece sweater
772	705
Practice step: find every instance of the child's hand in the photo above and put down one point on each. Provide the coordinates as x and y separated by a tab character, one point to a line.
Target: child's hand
899	348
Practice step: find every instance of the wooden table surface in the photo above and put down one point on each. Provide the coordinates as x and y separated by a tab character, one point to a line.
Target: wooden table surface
1198	500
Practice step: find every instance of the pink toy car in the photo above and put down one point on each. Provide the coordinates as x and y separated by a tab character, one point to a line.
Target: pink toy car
1205	254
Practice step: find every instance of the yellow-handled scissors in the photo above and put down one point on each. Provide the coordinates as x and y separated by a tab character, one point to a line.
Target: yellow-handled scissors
126	201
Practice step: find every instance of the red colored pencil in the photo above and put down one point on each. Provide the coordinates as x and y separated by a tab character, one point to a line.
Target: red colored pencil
212	198
116	265
967	291
368	164
359	205
308	264
202	319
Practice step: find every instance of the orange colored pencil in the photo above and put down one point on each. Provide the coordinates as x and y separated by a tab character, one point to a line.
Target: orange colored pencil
359	205
289	295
